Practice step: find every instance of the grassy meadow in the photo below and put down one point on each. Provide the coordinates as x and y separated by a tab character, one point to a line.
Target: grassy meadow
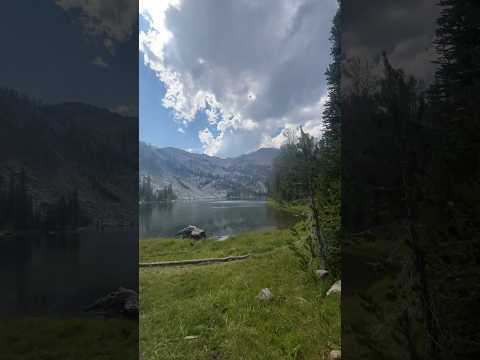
211	311
60	338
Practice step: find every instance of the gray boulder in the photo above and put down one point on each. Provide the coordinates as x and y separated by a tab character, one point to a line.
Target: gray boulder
335	355
264	295
336	288
192	232
119	302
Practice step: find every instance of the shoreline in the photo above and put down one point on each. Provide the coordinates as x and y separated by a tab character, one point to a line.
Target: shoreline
200	199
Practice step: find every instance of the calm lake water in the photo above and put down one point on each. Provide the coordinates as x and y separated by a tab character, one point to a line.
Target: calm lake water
63	273
66	272
218	218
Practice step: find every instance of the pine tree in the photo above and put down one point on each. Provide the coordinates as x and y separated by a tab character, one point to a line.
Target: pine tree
332	112
458	46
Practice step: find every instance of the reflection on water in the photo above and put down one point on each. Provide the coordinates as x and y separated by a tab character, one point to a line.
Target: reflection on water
65	272
218	218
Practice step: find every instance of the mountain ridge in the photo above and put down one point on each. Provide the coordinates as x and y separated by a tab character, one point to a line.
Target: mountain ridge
67	146
200	176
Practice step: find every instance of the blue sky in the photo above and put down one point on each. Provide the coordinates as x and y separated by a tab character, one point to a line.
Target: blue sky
234	77
158	125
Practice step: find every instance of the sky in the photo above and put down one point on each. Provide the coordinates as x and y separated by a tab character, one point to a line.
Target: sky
72	50
216	77
228	77
403	29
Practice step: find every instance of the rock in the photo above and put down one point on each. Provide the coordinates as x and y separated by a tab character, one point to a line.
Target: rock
264	295
320	274
335	355
119	302
192	232
336	288
186	231
191	337
198	234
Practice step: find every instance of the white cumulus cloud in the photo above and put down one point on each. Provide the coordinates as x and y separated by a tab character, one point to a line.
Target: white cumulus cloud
253	67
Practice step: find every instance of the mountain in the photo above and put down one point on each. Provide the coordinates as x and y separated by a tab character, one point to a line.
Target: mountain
68	146
199	176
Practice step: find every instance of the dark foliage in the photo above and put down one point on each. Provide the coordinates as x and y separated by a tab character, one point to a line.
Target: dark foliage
308	170
63	147
411	161
20	210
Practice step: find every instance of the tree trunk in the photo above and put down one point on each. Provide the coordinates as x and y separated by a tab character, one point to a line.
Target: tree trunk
317	231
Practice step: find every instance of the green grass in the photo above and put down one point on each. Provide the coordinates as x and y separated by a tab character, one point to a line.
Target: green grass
177	249
298	208
48	338
217	305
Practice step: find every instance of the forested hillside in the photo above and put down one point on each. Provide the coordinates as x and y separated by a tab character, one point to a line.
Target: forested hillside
65	156
410	190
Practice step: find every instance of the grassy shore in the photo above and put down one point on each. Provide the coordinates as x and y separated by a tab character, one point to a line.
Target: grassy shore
298	208
210	312
47	337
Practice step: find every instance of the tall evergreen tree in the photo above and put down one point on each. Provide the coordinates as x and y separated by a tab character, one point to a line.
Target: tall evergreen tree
308	169
332	112
458	46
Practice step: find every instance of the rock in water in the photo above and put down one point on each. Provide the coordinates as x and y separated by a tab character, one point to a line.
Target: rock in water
119	302
320	274
192	232
264	295
336	288
335	355
198	233
186	231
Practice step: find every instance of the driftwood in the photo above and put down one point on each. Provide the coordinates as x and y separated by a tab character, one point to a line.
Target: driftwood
193	261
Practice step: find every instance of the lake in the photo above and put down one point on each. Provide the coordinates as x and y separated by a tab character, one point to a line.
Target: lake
219	218
62	274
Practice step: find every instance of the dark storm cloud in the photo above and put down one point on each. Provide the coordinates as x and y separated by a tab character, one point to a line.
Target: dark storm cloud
46	54
403	29
112	19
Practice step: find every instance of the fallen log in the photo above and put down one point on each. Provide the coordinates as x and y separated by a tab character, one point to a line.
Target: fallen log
193	261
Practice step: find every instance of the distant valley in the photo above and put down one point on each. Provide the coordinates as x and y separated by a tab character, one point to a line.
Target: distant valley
199	176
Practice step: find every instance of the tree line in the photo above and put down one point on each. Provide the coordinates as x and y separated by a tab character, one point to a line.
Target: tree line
20	210
410	160
399	160
307	170
147	192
